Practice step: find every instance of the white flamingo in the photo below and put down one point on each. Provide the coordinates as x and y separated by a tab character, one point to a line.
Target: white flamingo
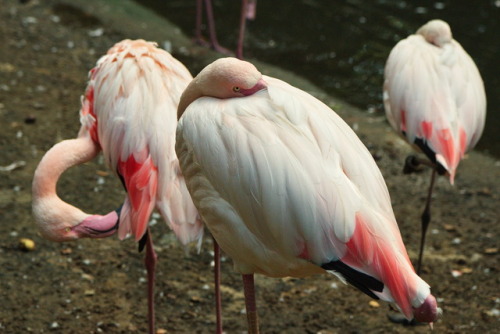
287	189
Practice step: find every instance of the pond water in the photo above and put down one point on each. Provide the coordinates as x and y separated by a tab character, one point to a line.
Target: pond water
342	45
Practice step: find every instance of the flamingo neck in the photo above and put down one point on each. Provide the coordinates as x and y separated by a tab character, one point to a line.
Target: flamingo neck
56	218
57	160
191	93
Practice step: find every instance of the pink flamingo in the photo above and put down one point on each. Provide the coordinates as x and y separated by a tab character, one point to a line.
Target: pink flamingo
128	112
434	97
248	10
287	189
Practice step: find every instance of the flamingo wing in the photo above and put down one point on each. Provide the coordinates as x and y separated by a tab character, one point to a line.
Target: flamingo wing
434	96
135	89
282	183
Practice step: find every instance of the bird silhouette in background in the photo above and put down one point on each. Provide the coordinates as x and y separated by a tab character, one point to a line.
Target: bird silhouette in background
129	112
434	97
287	188
248	10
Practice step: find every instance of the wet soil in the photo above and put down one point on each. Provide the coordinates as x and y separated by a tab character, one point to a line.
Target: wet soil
98	286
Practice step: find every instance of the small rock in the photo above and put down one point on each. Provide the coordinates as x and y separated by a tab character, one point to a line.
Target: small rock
493	312
89	292
195	299
26	244
30	119
66	251
491	251
449	227
485	192
102	173
466	270
87	277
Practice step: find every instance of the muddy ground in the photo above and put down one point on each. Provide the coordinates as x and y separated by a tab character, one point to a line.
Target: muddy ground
98	286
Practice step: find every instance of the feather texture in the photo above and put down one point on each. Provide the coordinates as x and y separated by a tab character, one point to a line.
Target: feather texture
285	186
130	109
433	92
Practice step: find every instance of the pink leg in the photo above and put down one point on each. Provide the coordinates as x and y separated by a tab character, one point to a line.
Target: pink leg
218	301
199	10
252	317
248	8
426	218
211	26
150	262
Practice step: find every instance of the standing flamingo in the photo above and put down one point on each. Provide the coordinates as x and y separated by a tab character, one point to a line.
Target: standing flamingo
287	189
128	112
248	10
434	97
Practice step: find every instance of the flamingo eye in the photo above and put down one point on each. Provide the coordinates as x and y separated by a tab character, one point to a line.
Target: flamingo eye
236	89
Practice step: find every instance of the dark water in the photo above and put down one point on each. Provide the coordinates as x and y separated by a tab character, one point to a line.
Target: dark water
342	45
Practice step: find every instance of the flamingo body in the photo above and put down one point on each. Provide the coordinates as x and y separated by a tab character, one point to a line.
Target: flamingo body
129	110
434	95
286	187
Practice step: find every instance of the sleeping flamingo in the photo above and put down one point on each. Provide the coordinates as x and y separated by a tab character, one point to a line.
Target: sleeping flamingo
434	97
287	189
128	112
248	9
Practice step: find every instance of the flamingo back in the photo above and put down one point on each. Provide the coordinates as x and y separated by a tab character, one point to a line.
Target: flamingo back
130	109
434	95
285	187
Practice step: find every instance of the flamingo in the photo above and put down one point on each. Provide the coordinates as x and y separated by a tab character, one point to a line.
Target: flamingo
248	10
287	189
128	112
434	97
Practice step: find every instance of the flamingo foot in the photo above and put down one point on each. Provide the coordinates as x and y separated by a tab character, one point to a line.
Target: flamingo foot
413	165
212	45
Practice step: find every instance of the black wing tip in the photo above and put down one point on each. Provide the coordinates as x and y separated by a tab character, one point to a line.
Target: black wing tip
365	283
429	153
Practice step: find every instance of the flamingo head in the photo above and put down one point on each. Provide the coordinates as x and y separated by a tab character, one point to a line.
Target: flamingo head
224	78
436	32
63	222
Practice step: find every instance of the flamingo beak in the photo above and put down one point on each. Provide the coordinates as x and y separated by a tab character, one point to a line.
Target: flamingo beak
260	85
97	226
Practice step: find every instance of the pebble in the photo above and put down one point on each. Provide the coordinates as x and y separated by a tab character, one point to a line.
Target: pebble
89	292
491	251
26	244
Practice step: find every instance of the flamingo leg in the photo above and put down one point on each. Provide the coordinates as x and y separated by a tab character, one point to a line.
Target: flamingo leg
218	301
426	218
250	304
248	8
214	43
241	36
150	262
199	10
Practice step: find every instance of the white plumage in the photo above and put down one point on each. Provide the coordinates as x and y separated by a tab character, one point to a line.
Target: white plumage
433	92
285	186
131	100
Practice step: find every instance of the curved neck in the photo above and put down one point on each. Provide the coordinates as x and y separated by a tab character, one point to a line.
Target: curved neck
191	93
59	158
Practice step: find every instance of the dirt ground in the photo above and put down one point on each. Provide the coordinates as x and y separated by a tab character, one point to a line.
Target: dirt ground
98	286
